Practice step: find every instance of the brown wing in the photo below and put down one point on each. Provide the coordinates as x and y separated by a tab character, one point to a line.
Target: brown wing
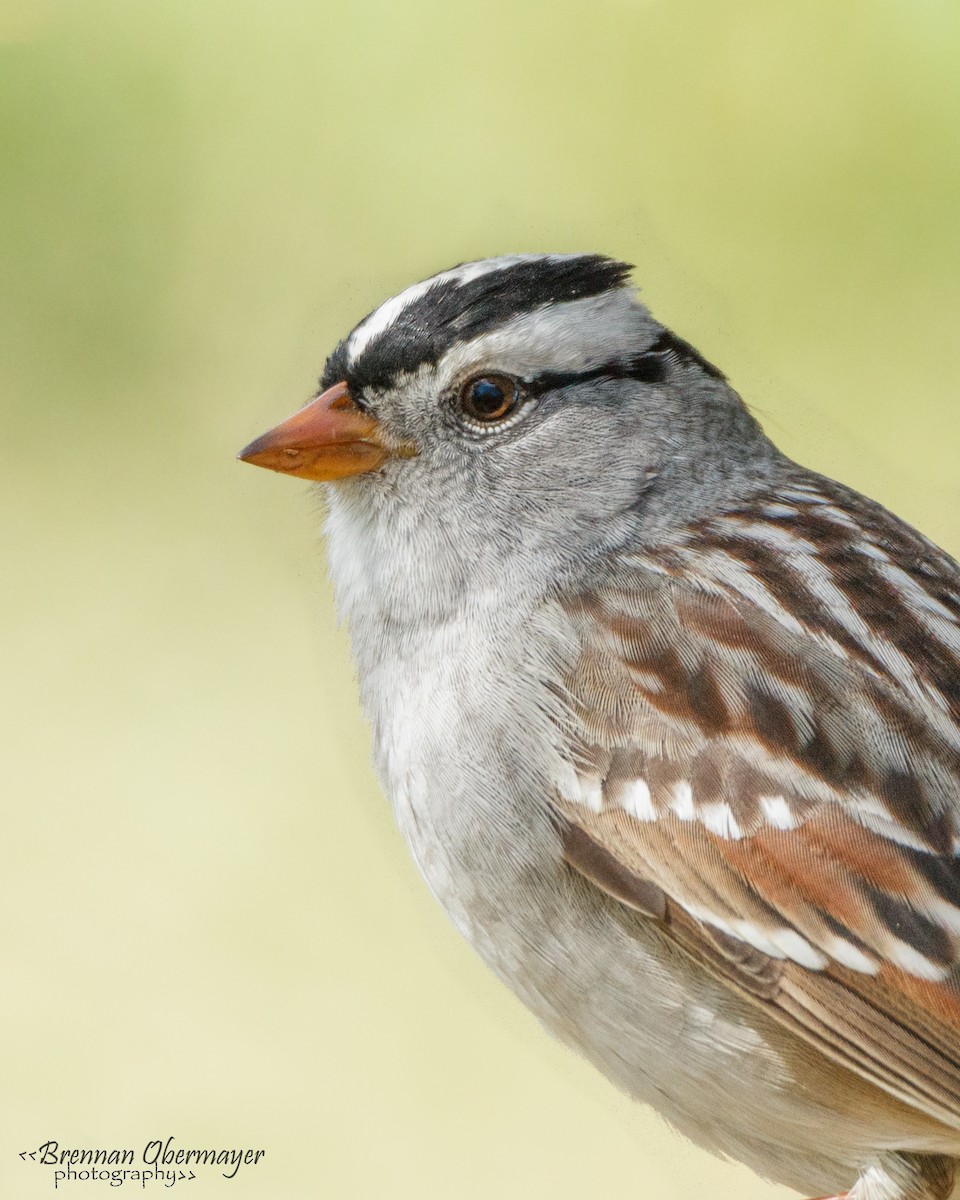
899	1032
789	812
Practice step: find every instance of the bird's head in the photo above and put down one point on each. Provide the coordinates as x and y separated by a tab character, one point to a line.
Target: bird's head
530	398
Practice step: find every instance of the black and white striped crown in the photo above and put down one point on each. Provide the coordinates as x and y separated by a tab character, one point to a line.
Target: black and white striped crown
477	300
421	323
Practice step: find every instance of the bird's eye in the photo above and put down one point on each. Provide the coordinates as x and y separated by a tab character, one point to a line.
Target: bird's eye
489	398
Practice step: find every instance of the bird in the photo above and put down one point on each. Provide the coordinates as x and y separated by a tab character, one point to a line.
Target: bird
669	722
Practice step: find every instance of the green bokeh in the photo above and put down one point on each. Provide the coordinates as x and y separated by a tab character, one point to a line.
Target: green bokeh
213	930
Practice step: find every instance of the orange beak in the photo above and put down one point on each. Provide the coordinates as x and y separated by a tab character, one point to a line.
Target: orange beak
329	439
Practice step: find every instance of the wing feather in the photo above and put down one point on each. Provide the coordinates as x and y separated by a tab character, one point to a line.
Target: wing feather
788	809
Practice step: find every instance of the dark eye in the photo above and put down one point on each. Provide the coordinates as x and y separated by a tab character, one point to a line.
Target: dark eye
489	398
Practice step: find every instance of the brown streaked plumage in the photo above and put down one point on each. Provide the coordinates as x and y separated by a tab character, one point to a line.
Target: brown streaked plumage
802	780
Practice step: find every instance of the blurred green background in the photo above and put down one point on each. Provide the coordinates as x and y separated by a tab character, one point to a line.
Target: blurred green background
211	928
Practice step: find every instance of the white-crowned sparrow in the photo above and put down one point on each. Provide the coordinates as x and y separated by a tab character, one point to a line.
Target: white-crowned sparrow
670	723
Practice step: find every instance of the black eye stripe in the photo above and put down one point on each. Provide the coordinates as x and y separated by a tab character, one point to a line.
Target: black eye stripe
669	343
649	367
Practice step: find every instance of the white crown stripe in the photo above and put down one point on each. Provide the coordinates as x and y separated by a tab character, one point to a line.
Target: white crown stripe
570	336
382	318
389	312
